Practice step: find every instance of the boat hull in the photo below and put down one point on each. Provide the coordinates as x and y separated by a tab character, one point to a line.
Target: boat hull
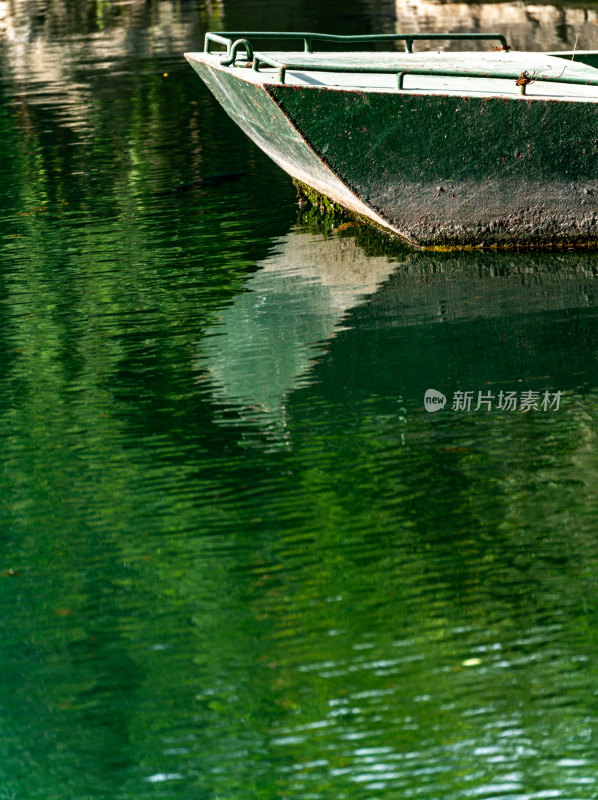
259	115
441	171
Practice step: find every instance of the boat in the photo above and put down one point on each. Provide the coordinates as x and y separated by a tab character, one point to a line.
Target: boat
490	148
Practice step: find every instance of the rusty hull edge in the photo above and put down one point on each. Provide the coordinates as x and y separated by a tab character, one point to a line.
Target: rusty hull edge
326	139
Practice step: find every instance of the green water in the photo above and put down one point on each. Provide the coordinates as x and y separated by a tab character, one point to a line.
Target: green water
238	558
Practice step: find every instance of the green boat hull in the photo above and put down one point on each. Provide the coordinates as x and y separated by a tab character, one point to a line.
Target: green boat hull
441	171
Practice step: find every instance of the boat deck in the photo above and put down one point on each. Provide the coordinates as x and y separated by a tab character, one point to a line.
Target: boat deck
452	73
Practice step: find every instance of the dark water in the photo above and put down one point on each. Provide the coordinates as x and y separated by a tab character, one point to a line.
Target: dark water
238	558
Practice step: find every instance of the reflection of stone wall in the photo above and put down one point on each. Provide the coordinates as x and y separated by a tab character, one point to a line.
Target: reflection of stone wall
526	26
4	18
28	21
51	19
53	53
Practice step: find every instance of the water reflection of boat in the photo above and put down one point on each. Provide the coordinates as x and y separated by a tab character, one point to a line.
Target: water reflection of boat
468	149
266	343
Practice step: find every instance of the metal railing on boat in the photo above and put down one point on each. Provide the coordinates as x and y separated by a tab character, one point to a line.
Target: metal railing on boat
234	41
239	42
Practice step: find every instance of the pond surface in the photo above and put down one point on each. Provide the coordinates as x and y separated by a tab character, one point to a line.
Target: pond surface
239	558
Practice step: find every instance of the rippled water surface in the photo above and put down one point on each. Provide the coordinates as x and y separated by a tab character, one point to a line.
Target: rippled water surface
238	557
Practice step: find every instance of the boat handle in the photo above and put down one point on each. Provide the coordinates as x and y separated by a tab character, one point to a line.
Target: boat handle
237	45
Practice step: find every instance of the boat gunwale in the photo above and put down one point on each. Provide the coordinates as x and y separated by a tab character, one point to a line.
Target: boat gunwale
308	64
244	70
